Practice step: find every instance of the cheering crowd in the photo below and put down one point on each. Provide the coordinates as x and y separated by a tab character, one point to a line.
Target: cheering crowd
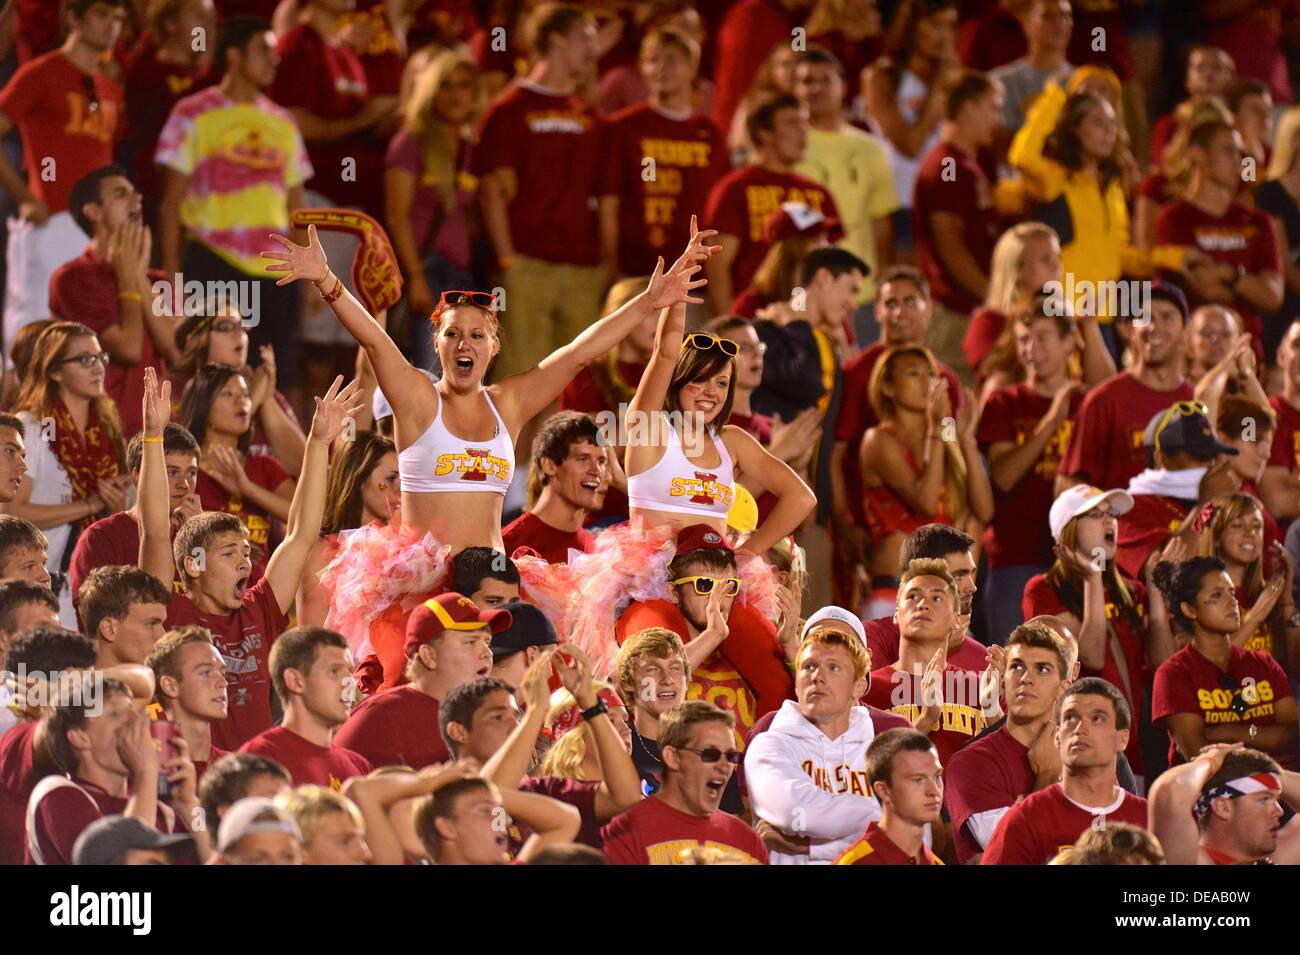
775	432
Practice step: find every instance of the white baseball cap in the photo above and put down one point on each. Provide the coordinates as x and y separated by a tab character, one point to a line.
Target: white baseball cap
252	815
838	614
1081	499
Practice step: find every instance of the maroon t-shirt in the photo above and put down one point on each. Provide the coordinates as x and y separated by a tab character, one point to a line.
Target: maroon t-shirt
950	181
654	211
1240	237
553	544
578	794
985	328
1018	533
85	290
243	639
654	833
1285	452
112	541
584	393
1036	829
991	39
745	37
856	415
65	813
883	638
328	80
1189	683
152	87
991	773
1146	528
1105	447
381	57
962	720
1127	675
328	766
18	777
742	200
876	848
396	727
554	143
201	765
263	529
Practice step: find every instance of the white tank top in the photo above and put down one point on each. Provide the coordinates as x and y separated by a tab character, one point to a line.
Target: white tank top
680	487
441	463
911	95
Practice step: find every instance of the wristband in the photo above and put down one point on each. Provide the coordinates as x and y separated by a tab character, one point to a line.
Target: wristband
152	440
130	297
335	292
599	709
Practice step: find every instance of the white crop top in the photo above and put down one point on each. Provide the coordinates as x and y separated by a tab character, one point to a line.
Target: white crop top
678	486
439	462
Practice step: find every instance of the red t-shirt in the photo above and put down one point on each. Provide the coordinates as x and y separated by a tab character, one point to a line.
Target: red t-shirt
991	773
381	57
85	290
856	415
985	328
962	720
1146	528
201	765
1285	452
395	727
555	144
654	211
1128	676
306	762
1240	237
112	541
328	80
578	794
654	833
65	813
47	100
950	181
243	639
1189	683
1039	827
742	200
18	777
1105	447
553	544
38	29
264	471
876	848
883	638
1018	533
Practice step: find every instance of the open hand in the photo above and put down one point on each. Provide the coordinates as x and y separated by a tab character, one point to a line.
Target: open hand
157	408
300	261
340	404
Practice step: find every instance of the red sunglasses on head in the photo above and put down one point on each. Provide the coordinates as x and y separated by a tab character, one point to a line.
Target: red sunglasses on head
454	297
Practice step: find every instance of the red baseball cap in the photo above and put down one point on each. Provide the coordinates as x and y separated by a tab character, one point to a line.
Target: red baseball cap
794	218
700	537
449	611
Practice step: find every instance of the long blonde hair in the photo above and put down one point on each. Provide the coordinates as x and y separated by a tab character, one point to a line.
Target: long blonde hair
1286	143
1008	256
567	754
438	141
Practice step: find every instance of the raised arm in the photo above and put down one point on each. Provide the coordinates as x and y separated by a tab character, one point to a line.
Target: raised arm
620	787
308	507
552	821
1172	798
795	498
528	393
508	764
401	383
155	502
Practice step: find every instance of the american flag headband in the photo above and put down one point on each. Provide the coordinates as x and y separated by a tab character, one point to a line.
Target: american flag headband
1241	786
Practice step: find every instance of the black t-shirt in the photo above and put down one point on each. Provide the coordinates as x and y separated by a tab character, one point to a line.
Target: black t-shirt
645	756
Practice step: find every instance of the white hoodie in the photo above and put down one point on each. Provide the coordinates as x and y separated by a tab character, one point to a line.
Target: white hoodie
803	783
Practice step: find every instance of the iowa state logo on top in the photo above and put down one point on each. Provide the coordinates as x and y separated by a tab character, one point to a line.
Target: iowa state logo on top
475	464
702	489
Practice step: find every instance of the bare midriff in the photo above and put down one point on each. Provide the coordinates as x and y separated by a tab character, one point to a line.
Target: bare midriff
642	518
472	519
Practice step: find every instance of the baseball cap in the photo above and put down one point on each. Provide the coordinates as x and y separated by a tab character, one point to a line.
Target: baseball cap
1169	292
529	627
700	537
1081	499
837	615
794	218
253	815
449	611
106	840
1183	427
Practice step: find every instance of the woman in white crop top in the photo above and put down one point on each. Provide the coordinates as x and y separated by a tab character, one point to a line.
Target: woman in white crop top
455	437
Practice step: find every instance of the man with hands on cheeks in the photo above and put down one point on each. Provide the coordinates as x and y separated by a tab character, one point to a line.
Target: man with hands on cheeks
619	788
213	558
113	768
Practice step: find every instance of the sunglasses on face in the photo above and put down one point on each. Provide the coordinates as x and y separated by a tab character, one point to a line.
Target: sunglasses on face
1238	704
463	297
702	342
704	585
88	361
711	754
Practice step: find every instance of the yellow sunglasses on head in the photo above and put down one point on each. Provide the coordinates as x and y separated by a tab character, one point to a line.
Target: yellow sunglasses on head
704	585
1182	409
701	342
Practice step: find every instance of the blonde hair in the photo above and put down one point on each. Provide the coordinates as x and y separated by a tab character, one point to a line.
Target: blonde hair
652	641
1008	256
822	636
1286	143
1176	164
311	805
929	567
567	754
437	140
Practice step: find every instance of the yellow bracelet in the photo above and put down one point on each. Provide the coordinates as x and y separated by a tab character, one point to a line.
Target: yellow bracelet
152	440
130	296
